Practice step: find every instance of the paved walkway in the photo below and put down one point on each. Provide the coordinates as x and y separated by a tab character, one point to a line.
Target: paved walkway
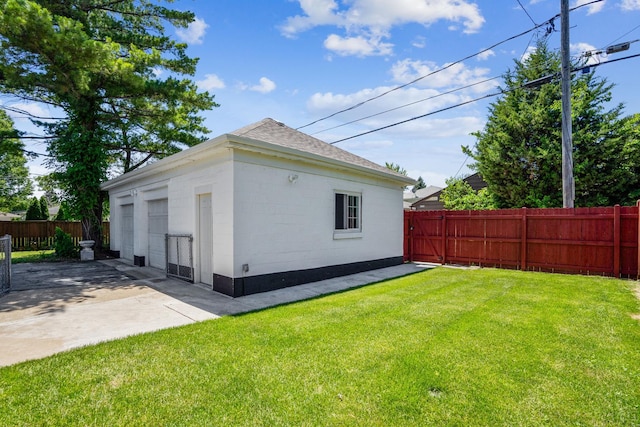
53	307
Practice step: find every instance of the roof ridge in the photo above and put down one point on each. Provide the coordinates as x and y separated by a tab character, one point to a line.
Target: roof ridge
277	133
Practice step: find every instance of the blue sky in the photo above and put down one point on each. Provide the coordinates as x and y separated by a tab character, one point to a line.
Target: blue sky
298	61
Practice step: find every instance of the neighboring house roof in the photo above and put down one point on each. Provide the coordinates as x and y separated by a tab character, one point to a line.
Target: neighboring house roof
432	201
7	216
421	193
271	136
475	181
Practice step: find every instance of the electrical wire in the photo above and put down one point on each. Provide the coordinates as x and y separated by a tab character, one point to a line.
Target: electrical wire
425	76
551	28
525	11
490	95
408	105
462	165
625	34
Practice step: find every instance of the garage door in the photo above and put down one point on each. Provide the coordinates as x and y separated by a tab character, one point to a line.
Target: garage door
126	249
158	227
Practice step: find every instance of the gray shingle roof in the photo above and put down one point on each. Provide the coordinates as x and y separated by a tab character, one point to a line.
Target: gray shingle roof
276	133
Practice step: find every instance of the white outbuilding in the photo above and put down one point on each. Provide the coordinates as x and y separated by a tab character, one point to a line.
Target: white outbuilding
258	209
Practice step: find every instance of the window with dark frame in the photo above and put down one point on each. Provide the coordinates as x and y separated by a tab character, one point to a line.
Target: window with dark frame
347	211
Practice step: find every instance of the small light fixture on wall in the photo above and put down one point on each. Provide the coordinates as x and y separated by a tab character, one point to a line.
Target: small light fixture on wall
293	178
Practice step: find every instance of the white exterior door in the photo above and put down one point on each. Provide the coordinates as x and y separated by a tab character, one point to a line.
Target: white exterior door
126	248
158	227
205	237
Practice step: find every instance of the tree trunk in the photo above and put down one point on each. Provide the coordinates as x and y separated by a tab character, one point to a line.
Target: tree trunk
92	223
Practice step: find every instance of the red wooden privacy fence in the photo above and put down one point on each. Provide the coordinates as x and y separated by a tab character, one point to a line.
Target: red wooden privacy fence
601	241
26	235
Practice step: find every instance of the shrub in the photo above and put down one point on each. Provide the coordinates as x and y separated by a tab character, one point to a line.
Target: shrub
34	212
63	244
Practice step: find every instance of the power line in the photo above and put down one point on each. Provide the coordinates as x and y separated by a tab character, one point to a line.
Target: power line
34	154
490	95
407	105
625	34
426	75
421	116
525	11
551	28
462	165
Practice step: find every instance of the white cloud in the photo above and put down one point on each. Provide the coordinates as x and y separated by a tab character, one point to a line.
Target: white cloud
630	5
367	22
419	42
455	75
157	72
592	8
357	46
402	104
527	53
194	33
265	86
210	82
486	55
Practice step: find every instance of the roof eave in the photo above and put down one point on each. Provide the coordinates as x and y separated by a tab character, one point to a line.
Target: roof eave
189	155
210	147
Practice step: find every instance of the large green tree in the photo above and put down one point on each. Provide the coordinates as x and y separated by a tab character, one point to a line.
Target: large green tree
98	61
519	151
15	184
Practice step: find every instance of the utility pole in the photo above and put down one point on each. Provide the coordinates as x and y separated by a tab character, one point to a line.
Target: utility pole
568	187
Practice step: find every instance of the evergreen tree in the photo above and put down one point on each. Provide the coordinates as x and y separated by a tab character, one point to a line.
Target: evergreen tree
519	152
396	168
62	213
97	61
419	185
44	208
34	212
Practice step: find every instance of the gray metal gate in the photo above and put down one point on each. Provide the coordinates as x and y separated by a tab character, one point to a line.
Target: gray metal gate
5	264
180	256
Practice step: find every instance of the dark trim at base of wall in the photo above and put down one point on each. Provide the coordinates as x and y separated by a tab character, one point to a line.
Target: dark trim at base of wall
239	286
138	260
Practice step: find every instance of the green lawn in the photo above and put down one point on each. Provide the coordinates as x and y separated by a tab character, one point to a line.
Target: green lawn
32	256
444	347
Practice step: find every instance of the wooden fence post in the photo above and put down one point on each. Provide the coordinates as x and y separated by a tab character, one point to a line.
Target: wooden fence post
523	241
410	235
638	247
444	237
616	241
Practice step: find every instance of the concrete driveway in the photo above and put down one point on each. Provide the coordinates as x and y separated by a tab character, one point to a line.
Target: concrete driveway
53	307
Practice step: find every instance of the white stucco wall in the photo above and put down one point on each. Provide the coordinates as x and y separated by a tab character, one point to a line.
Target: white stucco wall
182	186
285	226
260	217
211	176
